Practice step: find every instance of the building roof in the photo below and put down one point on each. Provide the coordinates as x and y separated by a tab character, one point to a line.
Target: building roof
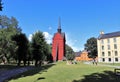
62	34
109	35
77	54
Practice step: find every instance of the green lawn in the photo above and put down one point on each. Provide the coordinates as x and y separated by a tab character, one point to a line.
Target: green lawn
113	64
60	72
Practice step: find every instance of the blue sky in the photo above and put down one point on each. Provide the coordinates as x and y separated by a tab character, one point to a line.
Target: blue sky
80	19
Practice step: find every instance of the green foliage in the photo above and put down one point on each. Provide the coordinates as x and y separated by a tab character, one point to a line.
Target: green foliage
1	6
22	43
14	45
91	47
6	22
40	48
8	28
70	55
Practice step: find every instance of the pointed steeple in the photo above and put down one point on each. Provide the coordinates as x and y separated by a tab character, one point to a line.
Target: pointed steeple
59	25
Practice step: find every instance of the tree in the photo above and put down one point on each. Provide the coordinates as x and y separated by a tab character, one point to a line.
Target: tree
91	47
8	28
1	5
29	55
6	22
22	43
7	46
70	55
39	47
49	54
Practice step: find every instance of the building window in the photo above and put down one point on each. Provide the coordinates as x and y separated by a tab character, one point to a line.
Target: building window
109	59
103	59
109	53
116	53
108	40
108	47
103	54
116	59
115	46
102	47
114	40
102	41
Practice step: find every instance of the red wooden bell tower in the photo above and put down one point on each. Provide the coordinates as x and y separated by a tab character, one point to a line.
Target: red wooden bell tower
58	44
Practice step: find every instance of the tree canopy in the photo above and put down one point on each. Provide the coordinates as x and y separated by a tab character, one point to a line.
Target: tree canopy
8	28
1	5
91	47
14	44
70	55
39	47
22	43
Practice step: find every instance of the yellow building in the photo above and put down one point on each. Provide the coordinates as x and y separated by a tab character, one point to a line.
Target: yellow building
82	56
109	47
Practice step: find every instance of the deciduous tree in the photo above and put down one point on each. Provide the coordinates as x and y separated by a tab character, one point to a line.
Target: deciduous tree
39	47
22	43
91	47
70	55
8	28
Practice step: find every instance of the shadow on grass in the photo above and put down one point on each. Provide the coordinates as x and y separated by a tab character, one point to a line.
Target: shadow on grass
35	70
106	76
40	78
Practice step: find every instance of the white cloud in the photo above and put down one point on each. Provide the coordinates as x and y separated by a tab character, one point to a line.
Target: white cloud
30	37
72	43
48	37
69	41
50	28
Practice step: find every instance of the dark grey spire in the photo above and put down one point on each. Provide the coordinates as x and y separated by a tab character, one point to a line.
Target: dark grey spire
59	25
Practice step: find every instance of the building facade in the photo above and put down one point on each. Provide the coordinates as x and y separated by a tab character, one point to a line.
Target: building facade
82	56
109	47
58	44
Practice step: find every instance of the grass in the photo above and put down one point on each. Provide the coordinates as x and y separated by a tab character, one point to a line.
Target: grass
113	64
60	72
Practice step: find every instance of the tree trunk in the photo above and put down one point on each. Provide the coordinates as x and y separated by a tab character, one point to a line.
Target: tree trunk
36	63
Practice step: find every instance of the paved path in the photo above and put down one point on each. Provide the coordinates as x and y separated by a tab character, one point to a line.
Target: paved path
114	66
10	73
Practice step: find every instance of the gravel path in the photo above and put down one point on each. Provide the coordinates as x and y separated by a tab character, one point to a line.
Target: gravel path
10	73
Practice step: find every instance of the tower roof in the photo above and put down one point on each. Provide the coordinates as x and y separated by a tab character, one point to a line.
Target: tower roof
59	25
